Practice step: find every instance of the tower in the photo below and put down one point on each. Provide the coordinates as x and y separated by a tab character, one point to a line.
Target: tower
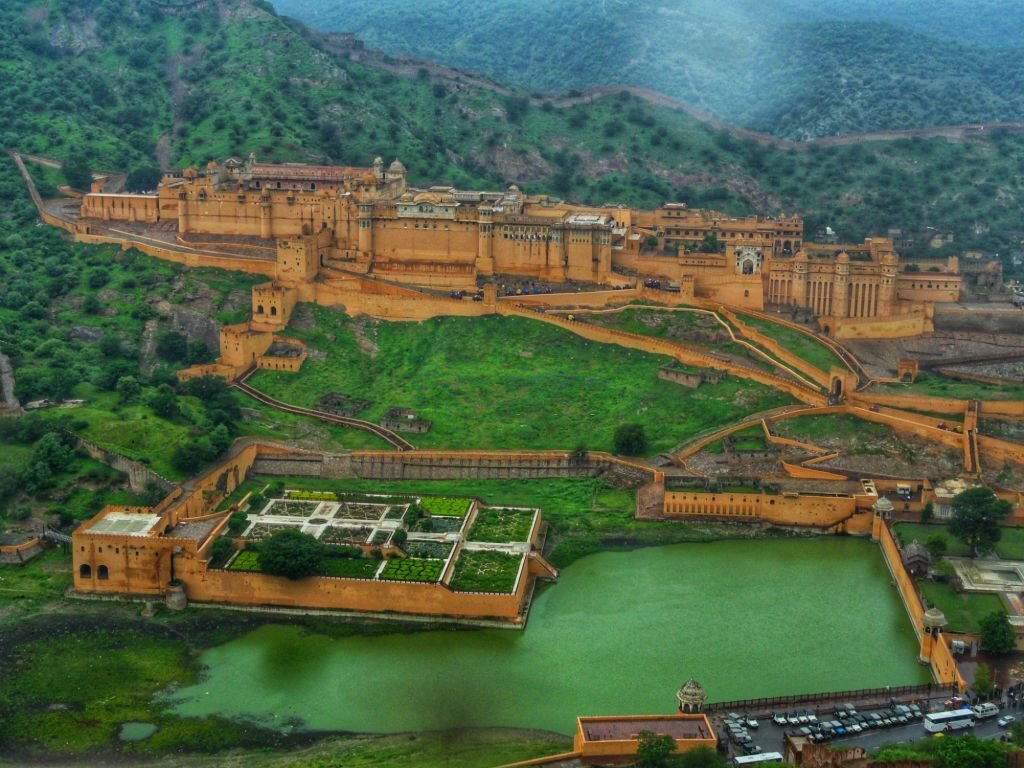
932	623
841	288
485	227
366	226
691	697
887	292
800	279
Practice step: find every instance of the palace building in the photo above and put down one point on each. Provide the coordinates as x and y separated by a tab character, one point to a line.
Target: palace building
334	221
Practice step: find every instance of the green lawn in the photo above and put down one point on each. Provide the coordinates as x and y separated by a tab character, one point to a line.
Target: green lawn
963	611
499	382
933	385
801	345
1010	546
24	589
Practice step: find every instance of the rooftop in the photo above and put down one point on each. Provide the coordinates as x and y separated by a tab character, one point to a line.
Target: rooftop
124	523
625	728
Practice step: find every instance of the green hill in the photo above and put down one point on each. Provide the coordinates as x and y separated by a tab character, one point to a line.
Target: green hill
797	68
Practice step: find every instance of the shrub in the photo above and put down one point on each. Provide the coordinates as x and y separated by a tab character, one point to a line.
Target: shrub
292	554
630	440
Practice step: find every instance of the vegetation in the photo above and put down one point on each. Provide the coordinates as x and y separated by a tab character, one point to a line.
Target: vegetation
800	344
963	611
848	66
630	440
965	751
557	388
443	505
977	513
653	750
997	636
499	524
485	572
412	569
934	385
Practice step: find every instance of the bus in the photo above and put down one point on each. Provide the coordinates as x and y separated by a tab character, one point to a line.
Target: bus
937	722
764	757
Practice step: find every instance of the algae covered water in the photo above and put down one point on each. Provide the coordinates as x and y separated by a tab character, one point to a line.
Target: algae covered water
617	635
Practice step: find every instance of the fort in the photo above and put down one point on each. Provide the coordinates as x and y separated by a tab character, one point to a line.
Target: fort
355	236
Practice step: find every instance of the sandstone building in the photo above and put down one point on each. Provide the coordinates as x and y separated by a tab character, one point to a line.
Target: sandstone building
319	222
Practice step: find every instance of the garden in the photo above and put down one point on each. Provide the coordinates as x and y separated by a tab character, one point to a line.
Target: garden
246	560
412	569
350	567
447	506
359	511
485	572
432	550
290	508
500	524
312	495
339	535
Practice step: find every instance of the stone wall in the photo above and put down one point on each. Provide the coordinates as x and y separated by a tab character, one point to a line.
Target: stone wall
140	477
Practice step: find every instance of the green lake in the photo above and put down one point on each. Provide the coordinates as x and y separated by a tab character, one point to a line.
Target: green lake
617	634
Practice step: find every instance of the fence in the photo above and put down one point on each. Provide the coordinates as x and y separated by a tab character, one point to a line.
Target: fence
917	691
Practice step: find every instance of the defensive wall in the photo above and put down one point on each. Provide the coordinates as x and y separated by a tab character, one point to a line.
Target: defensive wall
140	477
814	373
20	552
937	651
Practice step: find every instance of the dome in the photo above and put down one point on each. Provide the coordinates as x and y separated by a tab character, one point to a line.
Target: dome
212	165
883	505
933	619
378	160
691	697
396	167
843	257
427	197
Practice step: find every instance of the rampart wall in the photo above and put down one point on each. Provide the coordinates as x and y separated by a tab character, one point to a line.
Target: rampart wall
140	477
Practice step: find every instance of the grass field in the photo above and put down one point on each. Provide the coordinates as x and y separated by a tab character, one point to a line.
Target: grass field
938	386
801	345
497	382
857	435
963	611
1010	547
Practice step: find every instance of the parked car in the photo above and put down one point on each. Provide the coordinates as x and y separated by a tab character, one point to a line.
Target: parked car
751	722
1005	721
779	719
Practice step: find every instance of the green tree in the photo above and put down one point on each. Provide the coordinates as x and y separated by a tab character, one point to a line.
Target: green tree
399	537
982	680
711	244
172	346
630	440
292	554
997	636
936	544
969	752
653	750
701	757
976	516
237	523
128	388
77	173
164	402
144	179
928	512
220	551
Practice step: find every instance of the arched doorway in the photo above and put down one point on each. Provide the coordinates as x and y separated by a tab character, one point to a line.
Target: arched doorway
836	392
102	572
85	571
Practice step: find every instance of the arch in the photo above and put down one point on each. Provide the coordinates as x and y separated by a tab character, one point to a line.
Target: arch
748	266
102	572
273	311
259	309
836	390
85	571
827	331
787	247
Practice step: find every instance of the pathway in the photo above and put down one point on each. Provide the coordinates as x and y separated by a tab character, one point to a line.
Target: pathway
393	438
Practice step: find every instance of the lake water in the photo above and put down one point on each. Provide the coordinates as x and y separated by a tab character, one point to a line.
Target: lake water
617	634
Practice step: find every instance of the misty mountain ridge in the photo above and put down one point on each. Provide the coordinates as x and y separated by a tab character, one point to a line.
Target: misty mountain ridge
793	68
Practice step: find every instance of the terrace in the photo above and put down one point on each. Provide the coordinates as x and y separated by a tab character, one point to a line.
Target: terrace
454	541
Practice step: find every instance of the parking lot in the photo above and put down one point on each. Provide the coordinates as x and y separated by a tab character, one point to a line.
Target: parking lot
841	726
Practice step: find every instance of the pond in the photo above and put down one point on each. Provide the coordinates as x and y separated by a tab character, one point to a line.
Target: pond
617	634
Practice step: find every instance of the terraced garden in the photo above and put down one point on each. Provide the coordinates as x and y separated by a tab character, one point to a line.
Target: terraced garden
485	572
445	505
497	524
246	560
350	567
412	569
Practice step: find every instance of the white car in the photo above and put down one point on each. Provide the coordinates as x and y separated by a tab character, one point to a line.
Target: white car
1005	720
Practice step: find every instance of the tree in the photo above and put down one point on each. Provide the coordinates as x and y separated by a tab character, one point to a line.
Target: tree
220	551
144	179
653	749
164	402
928	512
969	752
936	544
997	636
398	538
237	523
710	244
701	757
77	173
172	346
976	516
128	388
630	440
982	680
292	554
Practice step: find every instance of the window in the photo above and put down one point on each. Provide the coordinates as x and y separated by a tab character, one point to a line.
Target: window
85	571
102	573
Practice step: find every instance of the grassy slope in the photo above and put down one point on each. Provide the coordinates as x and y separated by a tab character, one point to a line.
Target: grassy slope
804	347
509	383
939	386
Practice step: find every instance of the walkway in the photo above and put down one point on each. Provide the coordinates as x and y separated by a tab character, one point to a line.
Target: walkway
393	438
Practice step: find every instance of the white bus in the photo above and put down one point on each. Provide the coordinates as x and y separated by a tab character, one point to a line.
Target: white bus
937	722
764	757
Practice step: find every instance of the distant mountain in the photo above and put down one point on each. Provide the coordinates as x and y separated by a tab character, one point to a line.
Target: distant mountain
794	68
126	84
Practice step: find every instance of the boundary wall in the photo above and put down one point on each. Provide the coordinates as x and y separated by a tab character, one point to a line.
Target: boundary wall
139	475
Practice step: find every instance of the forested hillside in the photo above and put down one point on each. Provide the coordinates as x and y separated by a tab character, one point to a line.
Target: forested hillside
796	69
